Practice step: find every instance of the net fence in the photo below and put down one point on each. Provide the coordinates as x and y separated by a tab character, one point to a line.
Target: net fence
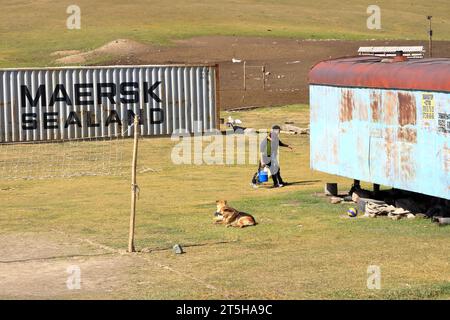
73	158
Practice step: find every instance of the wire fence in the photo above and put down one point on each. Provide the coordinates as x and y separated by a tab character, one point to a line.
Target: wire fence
104	156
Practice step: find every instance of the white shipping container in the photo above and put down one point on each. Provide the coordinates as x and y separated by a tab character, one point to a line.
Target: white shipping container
88	102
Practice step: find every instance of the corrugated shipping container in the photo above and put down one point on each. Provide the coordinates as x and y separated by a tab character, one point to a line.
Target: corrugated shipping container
384	123
87	102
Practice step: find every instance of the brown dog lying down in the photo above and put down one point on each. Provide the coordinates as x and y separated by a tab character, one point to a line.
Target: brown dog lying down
230	217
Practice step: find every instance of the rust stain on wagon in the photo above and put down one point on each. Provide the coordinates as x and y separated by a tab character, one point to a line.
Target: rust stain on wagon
334	151
407	135
375	106
362	110
407	171
446	159
390	108
347	106
406	109
391	150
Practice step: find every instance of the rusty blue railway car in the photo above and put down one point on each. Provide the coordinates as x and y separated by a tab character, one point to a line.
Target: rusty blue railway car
383	121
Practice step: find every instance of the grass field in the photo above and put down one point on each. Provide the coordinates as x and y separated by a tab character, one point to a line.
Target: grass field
303	247
31	31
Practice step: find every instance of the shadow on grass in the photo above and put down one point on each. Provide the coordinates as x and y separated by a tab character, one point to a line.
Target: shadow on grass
295	183
305	182
56	257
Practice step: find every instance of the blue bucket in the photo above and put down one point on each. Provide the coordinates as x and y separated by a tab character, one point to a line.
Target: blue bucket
263	176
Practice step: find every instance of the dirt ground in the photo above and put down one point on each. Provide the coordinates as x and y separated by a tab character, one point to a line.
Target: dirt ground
287	63
40	266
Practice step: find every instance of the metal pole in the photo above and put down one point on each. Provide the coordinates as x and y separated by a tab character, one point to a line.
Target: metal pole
430	42
263	69
134	187
245	76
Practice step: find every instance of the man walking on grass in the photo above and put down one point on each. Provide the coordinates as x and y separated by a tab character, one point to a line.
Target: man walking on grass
269	157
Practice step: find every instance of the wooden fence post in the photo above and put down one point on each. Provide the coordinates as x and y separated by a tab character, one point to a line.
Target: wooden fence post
134	187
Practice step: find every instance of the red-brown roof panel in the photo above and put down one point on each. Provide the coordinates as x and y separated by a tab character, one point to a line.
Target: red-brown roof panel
369	72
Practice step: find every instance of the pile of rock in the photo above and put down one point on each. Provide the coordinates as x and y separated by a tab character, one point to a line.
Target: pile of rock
396	205
373	210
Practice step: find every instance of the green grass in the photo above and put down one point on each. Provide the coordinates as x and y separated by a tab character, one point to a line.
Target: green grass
30	31
303	247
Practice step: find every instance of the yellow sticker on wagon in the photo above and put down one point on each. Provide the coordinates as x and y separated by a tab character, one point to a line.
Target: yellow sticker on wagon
428	106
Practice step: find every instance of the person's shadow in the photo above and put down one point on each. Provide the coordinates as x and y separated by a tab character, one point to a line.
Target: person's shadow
301	183
304	183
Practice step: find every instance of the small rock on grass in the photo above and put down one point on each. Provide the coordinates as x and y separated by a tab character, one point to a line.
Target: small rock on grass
177	249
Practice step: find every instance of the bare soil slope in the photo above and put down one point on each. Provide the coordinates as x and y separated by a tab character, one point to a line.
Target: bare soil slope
286	61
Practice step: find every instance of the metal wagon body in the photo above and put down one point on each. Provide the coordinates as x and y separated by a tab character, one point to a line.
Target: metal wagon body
383	122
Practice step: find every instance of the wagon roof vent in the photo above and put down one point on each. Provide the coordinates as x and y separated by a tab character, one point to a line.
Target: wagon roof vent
399	56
